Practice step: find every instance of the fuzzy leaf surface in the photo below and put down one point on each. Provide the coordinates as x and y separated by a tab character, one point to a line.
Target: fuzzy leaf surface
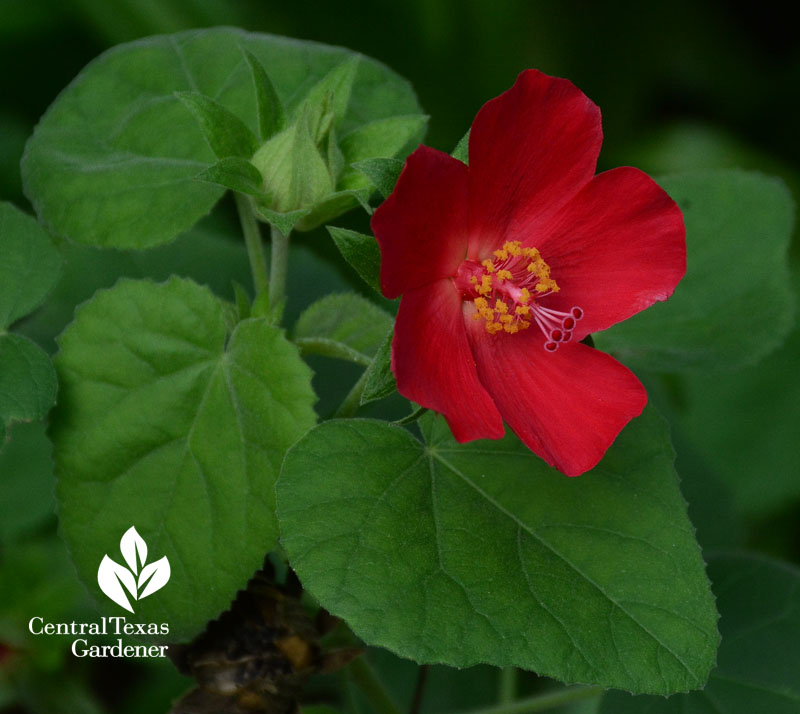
114	159
169	424
479	552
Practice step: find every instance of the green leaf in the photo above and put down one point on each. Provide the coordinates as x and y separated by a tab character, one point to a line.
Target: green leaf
284	222
362	252
380	382
735	304
461	152
481	553
759	657
382	173
113	161
27	380
169	424
26	481
30	264
349	325
271	118
757	450
236	174
226	134
334	91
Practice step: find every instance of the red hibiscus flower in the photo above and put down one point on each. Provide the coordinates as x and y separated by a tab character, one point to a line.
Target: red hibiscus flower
505	265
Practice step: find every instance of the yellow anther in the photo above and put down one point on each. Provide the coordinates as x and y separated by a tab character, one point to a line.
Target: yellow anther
506	319
511	329
501	307
487	314
523	324
525	297
532	253
489	265
522	310
486	285
474	280
480	303
502	254
493	327
514	247
504	274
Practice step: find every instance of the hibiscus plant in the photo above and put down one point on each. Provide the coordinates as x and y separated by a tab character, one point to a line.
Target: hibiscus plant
487	476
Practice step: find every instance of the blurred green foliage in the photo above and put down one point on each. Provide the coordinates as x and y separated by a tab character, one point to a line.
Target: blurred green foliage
682	85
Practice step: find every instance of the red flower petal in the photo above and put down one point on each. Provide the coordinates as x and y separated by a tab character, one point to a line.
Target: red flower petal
567	406
422	227
433	365
530	150
616	248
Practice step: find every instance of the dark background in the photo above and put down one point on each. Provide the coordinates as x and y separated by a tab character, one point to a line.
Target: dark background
682	85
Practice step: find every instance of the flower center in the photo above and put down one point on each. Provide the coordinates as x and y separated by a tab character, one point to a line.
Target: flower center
506	292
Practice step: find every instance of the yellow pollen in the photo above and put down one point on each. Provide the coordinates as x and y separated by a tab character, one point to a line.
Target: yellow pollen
504	274
523	324
474	280
502	254
480	303
489	265
522	310
493	327
501	307
506	319
513	247
511	329
525	297
486	285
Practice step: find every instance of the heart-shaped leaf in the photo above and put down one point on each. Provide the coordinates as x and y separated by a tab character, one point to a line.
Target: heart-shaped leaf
467	553
169	422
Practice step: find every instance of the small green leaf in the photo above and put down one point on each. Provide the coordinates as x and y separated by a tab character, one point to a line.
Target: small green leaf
271	118
385	137
382	173
735	304
30	265
467	553
380	382
226	134
334	89
347	323
26	481
235	173
284	222
362	252
27	380
169	424
759	659
461	152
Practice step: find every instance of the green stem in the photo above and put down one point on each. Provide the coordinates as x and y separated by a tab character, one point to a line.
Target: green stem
507	691
372	687
542	702
331	348
279	265
252	239
352	401
411	418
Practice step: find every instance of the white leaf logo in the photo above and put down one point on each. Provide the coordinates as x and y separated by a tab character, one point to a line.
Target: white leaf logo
139	579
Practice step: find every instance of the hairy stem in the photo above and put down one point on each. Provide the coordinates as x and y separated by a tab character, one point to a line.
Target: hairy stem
252	239
279	264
